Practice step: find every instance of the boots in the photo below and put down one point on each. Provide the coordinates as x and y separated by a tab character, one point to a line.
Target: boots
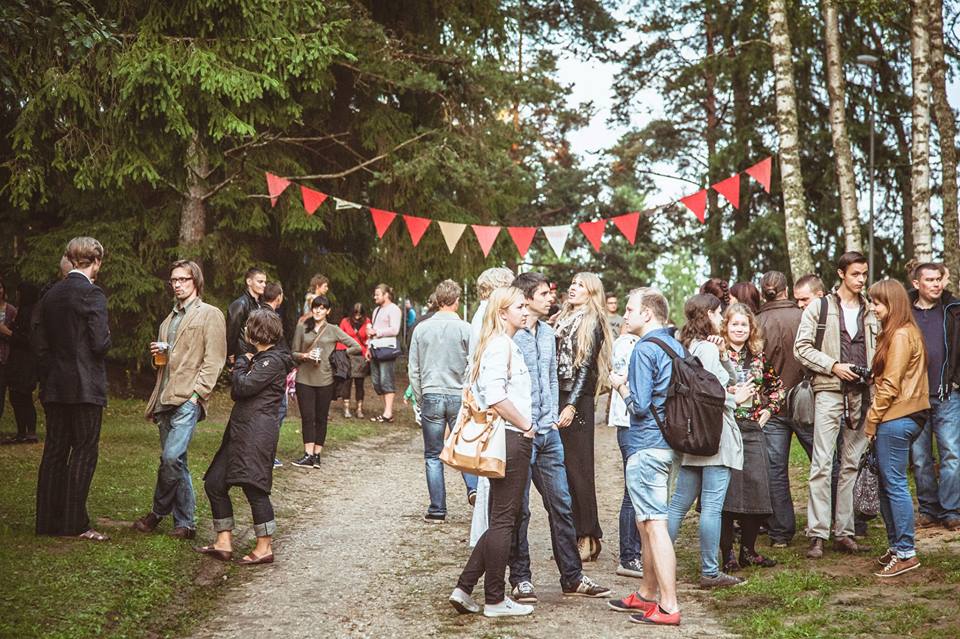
359	410
346	409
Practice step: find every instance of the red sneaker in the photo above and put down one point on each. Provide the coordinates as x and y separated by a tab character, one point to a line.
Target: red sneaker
632	603
658	616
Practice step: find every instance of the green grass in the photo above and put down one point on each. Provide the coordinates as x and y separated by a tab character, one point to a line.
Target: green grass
133	585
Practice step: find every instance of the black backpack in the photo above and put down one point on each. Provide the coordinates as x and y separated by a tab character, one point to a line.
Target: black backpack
693	420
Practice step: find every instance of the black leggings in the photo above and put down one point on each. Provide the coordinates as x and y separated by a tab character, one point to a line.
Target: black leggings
357	388
749	529
24	412
314	403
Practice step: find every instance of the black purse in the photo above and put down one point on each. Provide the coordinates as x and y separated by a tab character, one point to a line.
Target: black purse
340	365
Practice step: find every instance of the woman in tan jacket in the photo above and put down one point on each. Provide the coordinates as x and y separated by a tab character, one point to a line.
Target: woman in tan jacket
896	417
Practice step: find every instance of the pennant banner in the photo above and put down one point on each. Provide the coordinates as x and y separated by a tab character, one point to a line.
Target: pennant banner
346	204
522	237
417	226
696	203
594	232
382	220
451	233
729	189
276	186
761	173
311	199
486	235
628	225
557	237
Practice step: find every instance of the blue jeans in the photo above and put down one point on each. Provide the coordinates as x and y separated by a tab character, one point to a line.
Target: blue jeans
896	504
437	412
939	501
782	524
549	474
174	491
709	483
629	535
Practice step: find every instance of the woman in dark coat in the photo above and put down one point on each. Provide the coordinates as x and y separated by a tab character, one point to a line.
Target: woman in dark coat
22	367
249	446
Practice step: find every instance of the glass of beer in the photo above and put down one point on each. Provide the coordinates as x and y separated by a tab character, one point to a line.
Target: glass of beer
160	357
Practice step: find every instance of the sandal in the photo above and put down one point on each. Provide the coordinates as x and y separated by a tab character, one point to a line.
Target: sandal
216	553
92	535
382	419
254	560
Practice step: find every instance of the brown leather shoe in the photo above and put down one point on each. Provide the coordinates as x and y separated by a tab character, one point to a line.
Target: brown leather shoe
926	521
183	533
846	544
816	549
147	523
952	523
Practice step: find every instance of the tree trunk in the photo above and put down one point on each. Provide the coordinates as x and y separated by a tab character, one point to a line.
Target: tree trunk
719	265
920	129
791	177
837	90
193	220
946	123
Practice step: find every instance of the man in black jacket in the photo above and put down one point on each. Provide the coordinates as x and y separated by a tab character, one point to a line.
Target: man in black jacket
76	338
937	314
240	310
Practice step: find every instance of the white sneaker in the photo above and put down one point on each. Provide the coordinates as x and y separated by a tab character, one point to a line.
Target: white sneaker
463	602
507	608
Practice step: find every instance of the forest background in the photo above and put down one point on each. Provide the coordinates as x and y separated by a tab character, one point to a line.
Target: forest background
149	125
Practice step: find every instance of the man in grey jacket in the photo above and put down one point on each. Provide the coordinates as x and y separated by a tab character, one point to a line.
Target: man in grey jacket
842	397
436	365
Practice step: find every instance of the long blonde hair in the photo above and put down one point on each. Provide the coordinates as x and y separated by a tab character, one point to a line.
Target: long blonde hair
493	325
595	313
755	339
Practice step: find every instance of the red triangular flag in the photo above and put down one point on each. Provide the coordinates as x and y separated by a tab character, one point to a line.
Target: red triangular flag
729	189
594	232
417	226
275	186
382	220
522	237
696	203
761	173
311	199
486	235
628	225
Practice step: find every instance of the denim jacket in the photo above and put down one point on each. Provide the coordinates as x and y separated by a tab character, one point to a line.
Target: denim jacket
540	354
648	378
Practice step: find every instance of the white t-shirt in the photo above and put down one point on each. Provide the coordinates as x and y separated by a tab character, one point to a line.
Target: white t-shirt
504	375
476	324
850	319
622	351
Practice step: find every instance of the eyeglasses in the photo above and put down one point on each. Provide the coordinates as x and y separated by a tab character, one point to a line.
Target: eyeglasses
180	280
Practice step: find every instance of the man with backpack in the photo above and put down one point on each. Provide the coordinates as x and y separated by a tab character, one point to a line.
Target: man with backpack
649	457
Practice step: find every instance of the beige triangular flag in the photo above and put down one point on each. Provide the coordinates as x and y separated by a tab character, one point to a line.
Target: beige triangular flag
557	236
346	204
451	233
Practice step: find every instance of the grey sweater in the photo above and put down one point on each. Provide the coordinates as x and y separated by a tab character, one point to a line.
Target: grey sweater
438	355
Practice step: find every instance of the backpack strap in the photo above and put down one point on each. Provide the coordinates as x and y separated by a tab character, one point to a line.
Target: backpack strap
653	407
666	349
821	324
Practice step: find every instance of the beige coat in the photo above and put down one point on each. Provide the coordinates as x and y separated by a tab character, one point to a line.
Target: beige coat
196	357
821	361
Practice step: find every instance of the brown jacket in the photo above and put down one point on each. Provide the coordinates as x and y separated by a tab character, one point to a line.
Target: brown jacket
779	320
195	359
902	388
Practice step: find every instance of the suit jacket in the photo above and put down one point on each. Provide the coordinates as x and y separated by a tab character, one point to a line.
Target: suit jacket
75	341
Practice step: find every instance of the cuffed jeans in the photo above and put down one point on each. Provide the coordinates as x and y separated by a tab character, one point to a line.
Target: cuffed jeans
218	492
548	473
782	524
828	417
174	490
436	414
940	500
709	483
630	547
896	504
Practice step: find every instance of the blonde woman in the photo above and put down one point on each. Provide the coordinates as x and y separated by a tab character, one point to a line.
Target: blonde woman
500	380
584	350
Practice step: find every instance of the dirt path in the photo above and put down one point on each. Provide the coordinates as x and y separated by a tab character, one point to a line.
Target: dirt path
356	560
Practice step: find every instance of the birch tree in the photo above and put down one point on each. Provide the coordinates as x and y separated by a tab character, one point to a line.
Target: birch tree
843	158
945	119
791	176
920	129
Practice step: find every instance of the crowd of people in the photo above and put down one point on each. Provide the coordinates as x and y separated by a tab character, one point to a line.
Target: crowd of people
845	370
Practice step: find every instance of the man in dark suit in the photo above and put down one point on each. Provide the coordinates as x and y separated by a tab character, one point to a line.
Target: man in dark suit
76	338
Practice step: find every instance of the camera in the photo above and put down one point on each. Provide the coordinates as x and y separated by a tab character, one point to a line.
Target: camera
863	373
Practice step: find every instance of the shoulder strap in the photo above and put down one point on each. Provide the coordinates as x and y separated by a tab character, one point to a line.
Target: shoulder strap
669	351
821	324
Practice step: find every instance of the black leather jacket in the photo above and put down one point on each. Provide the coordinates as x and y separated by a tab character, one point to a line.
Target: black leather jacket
237	315
584	381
